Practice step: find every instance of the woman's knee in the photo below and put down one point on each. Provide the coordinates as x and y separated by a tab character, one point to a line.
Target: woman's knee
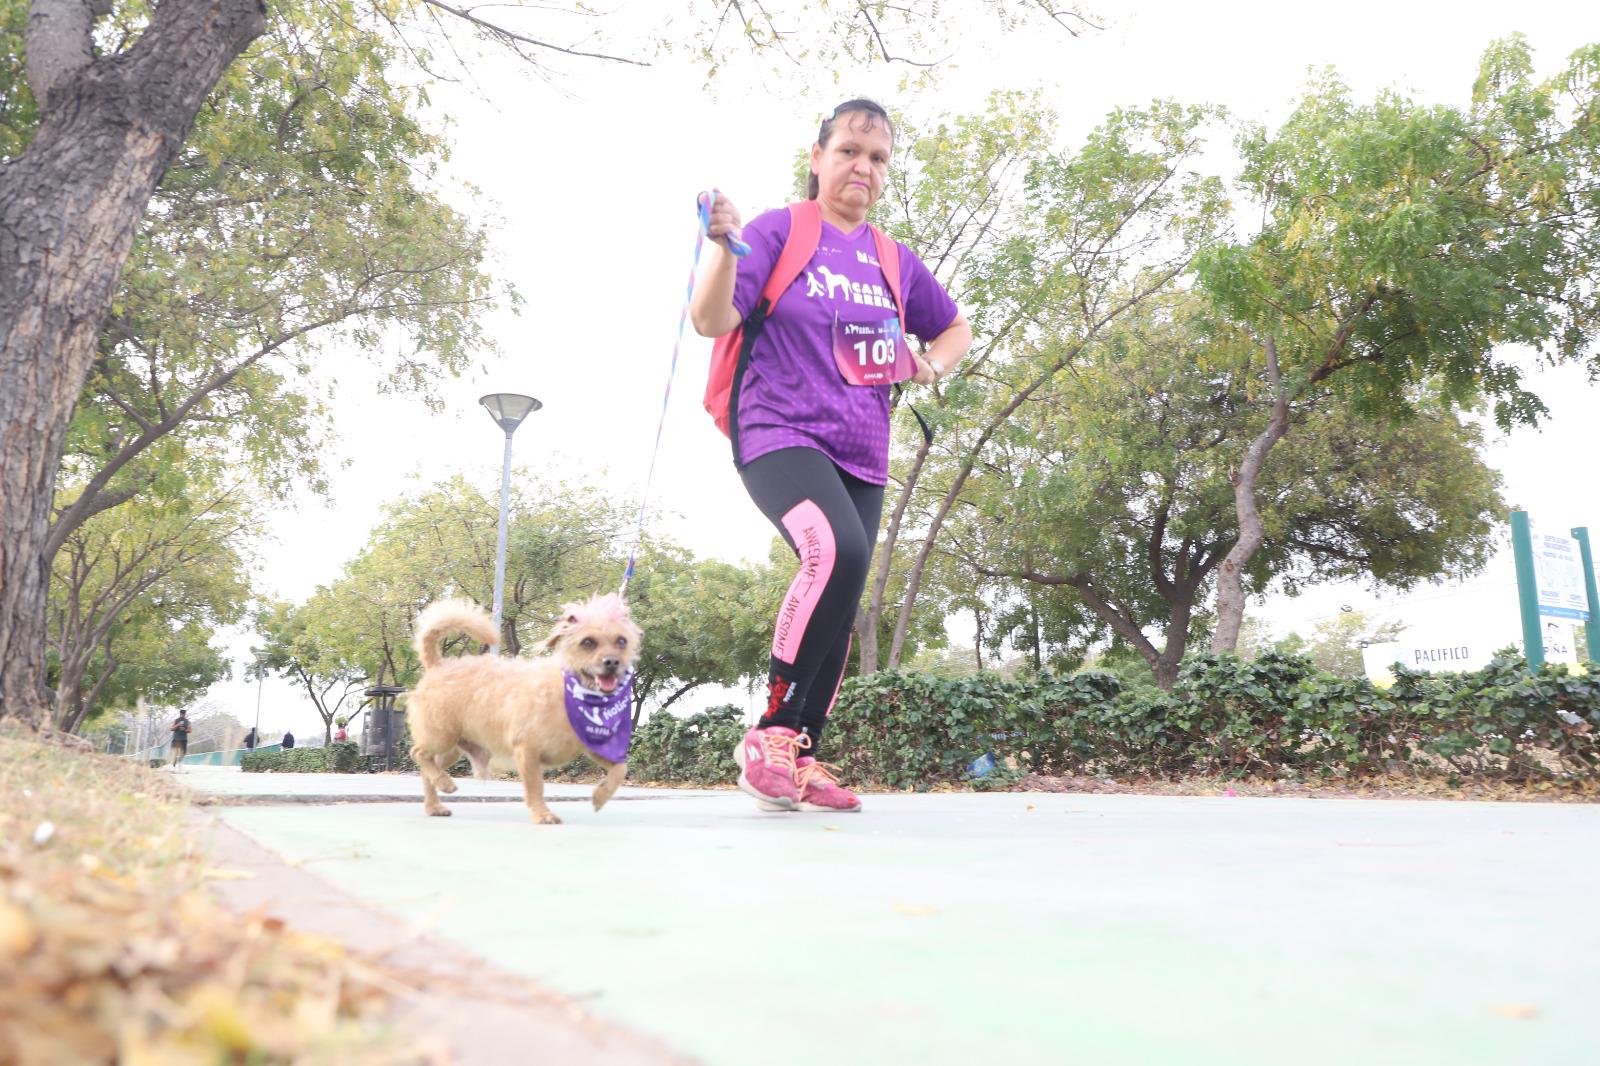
852	557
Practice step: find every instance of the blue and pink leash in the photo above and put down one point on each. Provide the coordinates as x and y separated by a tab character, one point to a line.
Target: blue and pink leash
740	249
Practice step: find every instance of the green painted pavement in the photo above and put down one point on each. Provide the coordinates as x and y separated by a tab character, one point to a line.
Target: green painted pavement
1085	929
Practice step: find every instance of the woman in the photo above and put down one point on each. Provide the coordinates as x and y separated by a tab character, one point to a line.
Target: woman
811	437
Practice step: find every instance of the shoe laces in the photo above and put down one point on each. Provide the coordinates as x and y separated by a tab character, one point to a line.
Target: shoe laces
807	774
779	750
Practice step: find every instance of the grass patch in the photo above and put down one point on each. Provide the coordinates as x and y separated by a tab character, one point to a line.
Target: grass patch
112	950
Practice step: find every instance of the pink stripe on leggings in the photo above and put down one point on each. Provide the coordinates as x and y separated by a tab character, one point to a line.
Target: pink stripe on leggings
813	539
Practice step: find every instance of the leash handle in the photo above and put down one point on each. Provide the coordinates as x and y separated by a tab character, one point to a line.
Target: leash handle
704	202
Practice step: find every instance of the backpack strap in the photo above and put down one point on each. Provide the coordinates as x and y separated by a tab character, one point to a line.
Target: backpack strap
889	260
805	230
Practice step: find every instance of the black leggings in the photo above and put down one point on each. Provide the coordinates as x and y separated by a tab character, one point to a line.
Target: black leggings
830	519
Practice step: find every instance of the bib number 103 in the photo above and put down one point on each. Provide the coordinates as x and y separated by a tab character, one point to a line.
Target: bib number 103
872	353
882	353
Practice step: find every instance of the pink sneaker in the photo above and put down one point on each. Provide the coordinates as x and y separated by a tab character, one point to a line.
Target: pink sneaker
766	766
820	789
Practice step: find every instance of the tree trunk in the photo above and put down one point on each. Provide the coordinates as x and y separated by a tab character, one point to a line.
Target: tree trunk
977	637
1165	665
867	621
69	208
1035	633
1230	575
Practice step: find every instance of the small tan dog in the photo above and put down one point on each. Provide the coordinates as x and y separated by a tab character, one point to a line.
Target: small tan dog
512	711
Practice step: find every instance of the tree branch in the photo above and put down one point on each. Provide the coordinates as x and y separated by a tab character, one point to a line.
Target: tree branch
512	38
59	43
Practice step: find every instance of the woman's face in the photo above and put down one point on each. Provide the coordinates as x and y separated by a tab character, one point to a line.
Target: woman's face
852	166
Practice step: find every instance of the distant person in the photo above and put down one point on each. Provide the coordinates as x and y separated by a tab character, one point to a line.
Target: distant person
341	736
250	740
288	740
180	737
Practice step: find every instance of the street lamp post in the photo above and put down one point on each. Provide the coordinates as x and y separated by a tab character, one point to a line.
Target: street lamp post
508	409
255	730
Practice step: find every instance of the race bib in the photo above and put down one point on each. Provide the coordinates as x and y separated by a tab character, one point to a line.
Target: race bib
872	353
603	721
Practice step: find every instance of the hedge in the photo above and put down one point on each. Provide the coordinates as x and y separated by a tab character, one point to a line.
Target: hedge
340	758
1276	716
697	750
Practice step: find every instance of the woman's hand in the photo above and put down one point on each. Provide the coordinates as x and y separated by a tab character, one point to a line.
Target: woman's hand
725	220
926	373
945	352
711	304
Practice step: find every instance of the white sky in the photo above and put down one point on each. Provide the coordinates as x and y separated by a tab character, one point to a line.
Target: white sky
592	184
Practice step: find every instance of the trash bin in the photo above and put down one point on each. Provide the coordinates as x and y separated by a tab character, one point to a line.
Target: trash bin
383	738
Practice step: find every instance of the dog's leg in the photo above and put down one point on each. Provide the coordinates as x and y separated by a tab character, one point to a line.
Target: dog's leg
430	794
434	774
603	792
479	757
531	768
441	767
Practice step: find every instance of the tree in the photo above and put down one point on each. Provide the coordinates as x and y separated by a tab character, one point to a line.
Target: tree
113	110
297	645
138	593
1045	250
169	662
705	622
1336	642
1113	484
296	224
1404	244
109	127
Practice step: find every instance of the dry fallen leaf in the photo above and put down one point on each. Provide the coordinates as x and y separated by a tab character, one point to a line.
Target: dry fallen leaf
1520	1012
18	933
915	910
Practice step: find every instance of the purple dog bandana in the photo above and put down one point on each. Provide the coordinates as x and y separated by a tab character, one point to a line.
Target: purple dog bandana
603	721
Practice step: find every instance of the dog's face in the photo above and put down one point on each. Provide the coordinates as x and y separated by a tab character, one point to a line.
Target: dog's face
596	640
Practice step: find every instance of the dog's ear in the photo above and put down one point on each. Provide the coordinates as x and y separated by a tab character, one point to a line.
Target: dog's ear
563	627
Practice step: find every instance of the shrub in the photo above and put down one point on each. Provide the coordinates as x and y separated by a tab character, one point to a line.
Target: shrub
340	758
1276	716
697	750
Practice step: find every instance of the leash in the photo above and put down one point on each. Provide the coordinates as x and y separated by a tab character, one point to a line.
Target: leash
740	249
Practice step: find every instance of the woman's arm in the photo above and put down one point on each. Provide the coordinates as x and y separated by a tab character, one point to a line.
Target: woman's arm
945	351
711	307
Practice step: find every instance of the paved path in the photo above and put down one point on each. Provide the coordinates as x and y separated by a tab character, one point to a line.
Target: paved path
1024	928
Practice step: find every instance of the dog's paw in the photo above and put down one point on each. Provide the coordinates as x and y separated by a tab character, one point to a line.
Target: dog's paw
448	785
441	811
547	818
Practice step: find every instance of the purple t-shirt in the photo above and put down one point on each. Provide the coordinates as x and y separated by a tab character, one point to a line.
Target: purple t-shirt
793	394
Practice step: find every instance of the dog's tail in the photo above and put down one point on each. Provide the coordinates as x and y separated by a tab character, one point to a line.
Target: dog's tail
450	616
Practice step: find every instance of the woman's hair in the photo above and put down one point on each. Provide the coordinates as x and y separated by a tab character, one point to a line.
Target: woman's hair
870	108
